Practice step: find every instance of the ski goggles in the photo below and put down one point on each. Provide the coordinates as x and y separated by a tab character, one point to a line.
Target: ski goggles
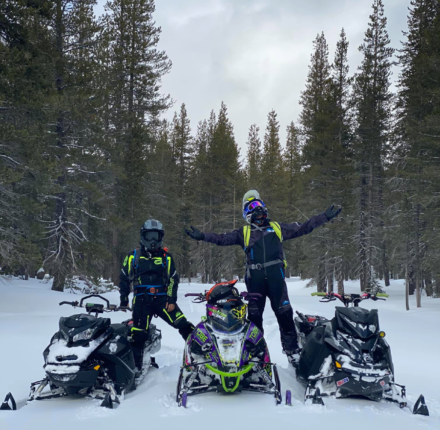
152	235
254	204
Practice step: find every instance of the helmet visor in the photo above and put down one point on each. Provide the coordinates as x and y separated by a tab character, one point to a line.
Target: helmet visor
150	236
252	206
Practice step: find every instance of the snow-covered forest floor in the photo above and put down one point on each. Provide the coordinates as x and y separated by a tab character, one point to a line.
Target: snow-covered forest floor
29	314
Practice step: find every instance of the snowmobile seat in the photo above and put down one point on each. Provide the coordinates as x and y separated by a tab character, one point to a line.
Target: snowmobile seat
121	329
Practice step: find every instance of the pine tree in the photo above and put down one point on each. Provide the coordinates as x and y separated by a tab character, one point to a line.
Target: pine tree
272	187
318	142
416	147
26	88
373	113
134	70
254	157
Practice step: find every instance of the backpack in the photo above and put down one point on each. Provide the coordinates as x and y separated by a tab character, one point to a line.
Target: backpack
133	264
277	229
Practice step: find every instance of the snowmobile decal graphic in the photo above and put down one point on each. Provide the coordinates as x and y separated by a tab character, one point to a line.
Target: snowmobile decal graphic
342	382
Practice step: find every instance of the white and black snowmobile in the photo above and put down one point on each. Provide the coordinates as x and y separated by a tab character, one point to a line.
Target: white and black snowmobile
89	356
226	352
348	355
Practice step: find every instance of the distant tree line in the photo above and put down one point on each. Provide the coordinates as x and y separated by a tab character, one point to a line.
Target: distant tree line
85	157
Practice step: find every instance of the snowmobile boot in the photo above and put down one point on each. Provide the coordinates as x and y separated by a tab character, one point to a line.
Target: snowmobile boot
293	356
138	355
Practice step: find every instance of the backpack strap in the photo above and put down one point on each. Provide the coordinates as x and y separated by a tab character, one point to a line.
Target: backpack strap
133	263
246	236
277	229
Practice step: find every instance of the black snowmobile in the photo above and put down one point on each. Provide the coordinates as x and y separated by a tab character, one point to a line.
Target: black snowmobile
91	357
348	355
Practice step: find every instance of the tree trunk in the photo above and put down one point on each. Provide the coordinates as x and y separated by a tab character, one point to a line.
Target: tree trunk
115	258
58	283
407	289
330	282
411	281
436	288
418	291
428	283
321	282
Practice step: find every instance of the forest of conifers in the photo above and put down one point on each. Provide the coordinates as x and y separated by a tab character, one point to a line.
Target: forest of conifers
86	156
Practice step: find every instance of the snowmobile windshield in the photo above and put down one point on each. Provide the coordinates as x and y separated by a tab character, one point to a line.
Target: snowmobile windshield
229	317
357	322
82	327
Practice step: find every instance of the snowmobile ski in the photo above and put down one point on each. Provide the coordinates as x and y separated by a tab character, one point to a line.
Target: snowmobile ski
9	403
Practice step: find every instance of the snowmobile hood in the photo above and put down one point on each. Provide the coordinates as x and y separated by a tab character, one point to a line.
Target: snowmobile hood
358	322
82	327
359	315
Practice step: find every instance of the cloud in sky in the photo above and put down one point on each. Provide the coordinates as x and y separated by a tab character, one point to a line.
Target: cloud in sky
254	54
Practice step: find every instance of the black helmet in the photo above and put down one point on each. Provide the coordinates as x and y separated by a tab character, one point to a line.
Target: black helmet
152	234
225	311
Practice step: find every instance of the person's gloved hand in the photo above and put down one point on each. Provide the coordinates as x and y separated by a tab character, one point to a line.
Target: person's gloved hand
195	234
124	302
171	304
332	212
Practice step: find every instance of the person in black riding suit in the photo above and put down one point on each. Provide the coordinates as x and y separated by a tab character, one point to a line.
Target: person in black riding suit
265	263
152	272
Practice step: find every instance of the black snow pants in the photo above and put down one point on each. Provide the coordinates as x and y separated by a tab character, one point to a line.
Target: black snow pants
144	308
270	282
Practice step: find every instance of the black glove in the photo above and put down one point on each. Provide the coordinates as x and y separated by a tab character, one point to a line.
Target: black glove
124	302
172	300
195	234
332	212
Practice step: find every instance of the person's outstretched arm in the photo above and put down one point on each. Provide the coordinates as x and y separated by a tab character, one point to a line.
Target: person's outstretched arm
293	230
234	237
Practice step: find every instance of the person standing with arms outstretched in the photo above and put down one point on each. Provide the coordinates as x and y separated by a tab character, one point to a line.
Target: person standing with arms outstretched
262	241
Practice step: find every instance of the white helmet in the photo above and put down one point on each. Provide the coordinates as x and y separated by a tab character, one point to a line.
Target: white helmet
249	196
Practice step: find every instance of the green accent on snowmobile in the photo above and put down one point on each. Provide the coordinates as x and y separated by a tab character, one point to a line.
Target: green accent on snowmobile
236	375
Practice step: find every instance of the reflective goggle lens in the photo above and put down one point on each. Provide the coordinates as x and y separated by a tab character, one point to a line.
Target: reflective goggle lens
252	206
151	235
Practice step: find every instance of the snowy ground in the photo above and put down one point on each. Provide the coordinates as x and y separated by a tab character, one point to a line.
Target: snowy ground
29	314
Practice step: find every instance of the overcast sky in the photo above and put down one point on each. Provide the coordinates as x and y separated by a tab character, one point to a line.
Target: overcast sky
254	54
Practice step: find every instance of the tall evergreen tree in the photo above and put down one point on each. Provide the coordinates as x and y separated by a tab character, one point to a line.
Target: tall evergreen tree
373	113
272	187
135	67
416	151
254	157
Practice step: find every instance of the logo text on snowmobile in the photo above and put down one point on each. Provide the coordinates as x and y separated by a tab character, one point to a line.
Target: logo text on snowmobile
254	333
342	382
202	336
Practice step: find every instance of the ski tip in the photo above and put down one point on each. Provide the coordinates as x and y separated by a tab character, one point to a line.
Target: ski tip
9	403
420	407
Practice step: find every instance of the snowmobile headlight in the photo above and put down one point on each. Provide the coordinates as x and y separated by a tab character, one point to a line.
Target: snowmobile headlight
84	335
382	334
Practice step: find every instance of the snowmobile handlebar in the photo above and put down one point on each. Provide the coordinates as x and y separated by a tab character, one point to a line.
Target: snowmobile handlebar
109	308
346	299
201	297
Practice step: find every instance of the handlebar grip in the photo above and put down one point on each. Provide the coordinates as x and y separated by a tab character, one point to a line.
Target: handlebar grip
69	303
317	293
193	294
382	295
